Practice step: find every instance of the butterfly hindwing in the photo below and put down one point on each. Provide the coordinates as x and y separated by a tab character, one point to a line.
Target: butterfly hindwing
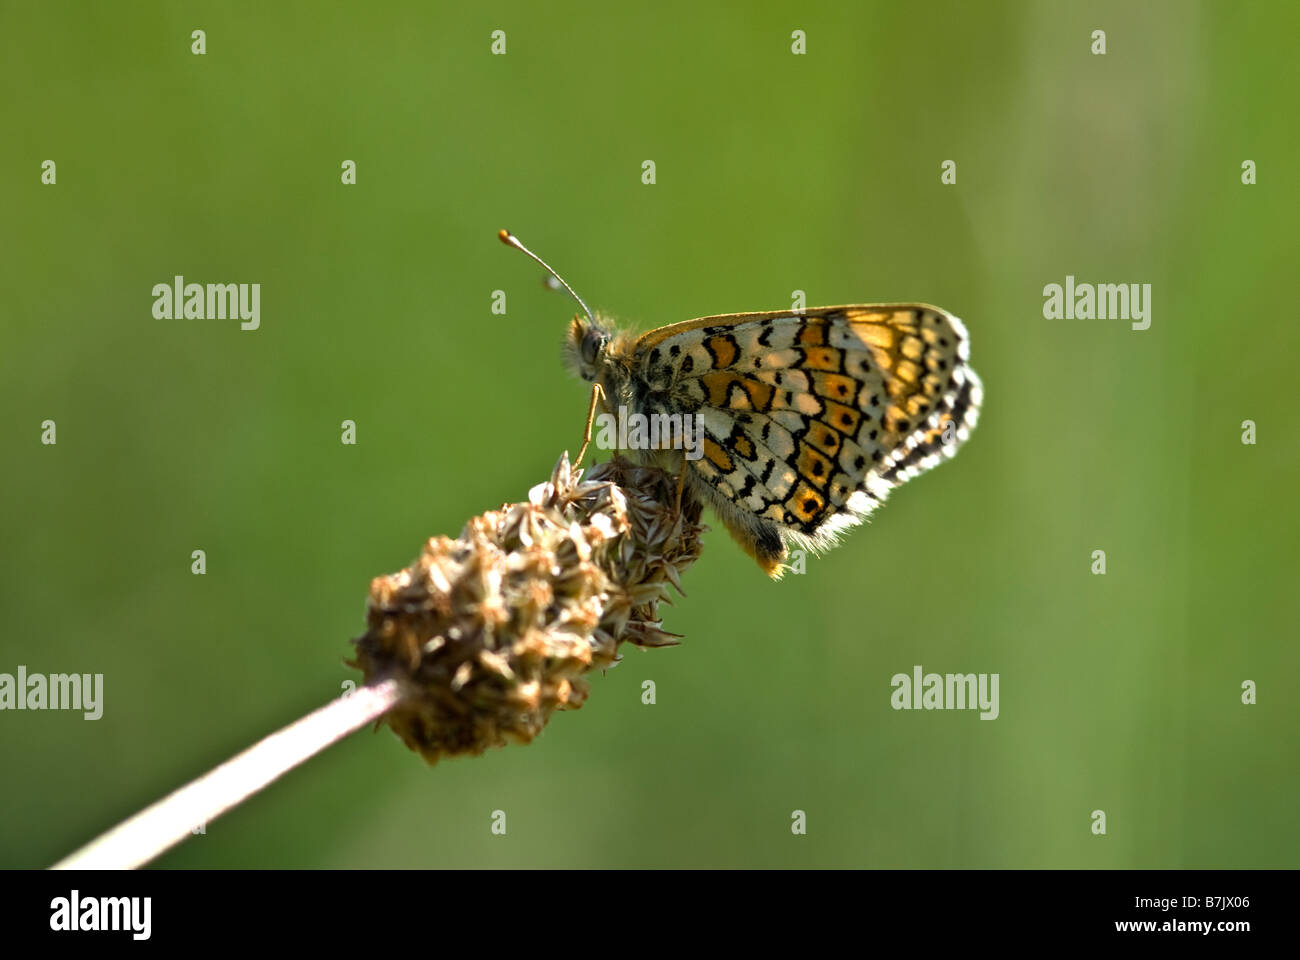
811	418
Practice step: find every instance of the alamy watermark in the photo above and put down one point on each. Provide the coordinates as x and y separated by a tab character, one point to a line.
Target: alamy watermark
950	691
654	431
212	301
103	914
1099	301
55	691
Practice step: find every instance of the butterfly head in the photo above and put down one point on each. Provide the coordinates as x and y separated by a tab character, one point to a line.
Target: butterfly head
585	348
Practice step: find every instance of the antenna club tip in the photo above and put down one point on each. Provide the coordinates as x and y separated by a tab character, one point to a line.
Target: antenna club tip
509	239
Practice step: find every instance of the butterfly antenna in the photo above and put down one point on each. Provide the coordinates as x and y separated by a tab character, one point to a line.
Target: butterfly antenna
510	240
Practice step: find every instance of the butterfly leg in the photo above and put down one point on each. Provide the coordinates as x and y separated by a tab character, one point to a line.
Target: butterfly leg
597	394
681	483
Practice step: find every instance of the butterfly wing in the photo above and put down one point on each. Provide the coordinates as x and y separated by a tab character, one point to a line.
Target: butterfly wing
811	418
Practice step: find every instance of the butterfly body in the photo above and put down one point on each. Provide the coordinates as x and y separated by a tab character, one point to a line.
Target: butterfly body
809	418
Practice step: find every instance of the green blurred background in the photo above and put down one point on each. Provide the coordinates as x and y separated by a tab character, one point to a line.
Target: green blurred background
775	172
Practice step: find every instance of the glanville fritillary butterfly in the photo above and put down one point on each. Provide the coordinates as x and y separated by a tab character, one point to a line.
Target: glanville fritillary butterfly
810	417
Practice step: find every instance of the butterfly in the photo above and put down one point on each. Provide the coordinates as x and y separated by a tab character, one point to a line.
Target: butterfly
810	417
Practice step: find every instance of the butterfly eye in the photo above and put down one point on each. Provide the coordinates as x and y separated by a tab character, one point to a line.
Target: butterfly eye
592	341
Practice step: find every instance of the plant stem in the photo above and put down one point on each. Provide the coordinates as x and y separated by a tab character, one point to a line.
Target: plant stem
157	828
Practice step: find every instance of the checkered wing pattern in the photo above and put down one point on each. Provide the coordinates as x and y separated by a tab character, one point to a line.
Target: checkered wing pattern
812	418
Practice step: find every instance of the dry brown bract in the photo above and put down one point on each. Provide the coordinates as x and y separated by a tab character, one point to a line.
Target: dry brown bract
495	630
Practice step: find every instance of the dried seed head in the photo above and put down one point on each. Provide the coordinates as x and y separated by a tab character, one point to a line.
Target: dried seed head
494	631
